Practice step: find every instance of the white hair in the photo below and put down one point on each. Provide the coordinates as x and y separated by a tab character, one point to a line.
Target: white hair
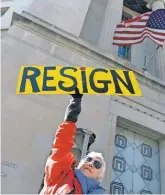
95	155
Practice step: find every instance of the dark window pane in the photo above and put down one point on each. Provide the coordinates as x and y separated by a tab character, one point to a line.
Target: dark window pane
125	51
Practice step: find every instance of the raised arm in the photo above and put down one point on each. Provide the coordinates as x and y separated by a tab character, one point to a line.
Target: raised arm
62	158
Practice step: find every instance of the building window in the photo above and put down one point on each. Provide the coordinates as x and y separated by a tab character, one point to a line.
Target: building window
4	10
126	16
139	6
125	51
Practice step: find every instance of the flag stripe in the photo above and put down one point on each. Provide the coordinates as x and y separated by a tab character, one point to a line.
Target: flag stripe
136	22
132	37
161	38
125	42
130	44
138	17
160	32
123	30
133	25
140	41
138	26
144	19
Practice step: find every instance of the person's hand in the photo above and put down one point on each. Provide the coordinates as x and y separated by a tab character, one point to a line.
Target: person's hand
74	108
77	94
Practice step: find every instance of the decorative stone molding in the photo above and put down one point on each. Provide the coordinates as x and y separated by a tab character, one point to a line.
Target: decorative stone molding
150	4
108	60
137	109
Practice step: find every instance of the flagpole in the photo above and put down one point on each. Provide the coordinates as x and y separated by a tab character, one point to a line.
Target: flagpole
146	64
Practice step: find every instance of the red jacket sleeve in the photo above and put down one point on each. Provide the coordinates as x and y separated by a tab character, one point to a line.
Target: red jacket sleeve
61	158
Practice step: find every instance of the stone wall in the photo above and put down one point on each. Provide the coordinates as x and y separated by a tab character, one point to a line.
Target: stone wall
29	122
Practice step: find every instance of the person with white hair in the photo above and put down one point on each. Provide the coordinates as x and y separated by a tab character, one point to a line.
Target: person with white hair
61	175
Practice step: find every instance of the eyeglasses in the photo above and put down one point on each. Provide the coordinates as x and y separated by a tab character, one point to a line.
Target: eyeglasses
96	163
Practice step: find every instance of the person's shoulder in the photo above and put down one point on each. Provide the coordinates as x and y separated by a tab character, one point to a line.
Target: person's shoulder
101	189
98	190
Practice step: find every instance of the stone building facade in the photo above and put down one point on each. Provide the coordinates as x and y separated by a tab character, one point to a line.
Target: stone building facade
130	131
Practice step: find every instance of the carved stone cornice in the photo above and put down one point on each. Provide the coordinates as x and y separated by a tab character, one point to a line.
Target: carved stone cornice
138	108
149	5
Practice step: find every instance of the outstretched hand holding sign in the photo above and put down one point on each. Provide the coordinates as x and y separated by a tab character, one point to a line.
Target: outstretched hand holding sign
60	175
77	94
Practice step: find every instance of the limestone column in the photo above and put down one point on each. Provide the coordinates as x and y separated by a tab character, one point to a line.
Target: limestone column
162	165
160	56
110	150
112	18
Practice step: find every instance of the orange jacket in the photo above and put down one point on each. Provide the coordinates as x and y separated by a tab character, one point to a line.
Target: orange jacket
59	172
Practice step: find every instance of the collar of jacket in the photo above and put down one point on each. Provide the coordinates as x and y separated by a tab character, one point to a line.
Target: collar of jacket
88	184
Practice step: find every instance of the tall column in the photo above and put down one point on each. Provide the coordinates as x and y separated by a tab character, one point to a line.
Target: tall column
112	18
67	15
110	151
162	165
160	56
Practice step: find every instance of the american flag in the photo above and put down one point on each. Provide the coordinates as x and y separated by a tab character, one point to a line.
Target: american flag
135	30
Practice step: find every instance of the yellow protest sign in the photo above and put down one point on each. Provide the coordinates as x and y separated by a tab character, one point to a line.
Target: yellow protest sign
64	79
